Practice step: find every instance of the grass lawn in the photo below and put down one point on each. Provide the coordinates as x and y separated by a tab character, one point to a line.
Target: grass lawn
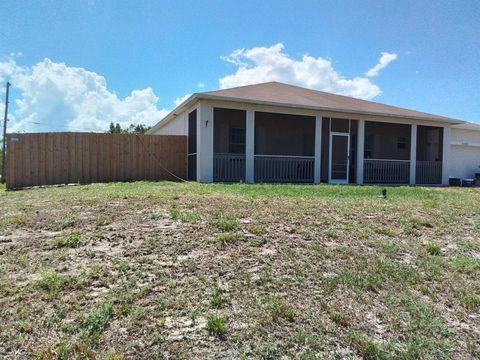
172	270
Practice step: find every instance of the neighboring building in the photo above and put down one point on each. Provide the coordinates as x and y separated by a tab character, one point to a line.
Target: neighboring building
273	132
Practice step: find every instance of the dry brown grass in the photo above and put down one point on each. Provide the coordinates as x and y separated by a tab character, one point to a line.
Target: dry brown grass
239	271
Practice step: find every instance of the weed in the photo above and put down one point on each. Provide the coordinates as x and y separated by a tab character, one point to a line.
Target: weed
174	213
57	316
225	238
257	229
390	248
331	233
365	346
338	317
15	221
155	216
226	224
433	249
279	309
51	281
219	297
193	316
216	325
385	231
71	240
469	298
98	320
102	221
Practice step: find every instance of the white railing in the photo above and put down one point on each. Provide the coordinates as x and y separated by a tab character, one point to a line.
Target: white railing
385	171
428	172
228	167
279	168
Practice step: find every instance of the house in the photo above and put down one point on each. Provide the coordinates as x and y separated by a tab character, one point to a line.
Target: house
274	132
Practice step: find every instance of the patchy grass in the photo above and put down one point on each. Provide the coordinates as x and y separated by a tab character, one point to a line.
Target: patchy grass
187	270
51	281
71	240
279	309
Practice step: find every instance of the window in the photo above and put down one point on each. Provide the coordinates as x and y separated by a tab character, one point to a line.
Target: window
401	142
237	141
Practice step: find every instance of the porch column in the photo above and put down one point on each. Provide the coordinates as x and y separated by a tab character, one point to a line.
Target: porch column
250	147
318	150
413	154
205	143
360	150
446	156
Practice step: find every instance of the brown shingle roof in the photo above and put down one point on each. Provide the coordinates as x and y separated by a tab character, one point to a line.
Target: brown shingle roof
289	95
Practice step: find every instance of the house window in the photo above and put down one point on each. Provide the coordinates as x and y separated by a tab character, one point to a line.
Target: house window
237	141
401	142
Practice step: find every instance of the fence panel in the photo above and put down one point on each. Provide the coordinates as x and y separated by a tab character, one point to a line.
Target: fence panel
64	158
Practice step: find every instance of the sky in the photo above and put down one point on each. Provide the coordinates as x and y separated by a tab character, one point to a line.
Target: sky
79	65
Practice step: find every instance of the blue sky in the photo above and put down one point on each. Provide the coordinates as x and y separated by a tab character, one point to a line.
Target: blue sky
79	65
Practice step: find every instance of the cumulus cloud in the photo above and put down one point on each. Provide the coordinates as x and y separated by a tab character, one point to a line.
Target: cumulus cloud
54	96
384	60
262	64
180	100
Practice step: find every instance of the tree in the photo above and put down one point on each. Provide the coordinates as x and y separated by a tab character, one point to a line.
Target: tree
132	129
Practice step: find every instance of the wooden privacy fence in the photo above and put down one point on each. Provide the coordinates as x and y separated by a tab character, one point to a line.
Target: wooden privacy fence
64	158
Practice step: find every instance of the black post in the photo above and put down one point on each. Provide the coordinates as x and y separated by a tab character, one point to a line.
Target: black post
4	143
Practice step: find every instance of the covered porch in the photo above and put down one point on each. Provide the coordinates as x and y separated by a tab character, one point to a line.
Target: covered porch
283	147
273	147
402	154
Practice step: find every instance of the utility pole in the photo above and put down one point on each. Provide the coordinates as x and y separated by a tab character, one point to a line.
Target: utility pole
4	143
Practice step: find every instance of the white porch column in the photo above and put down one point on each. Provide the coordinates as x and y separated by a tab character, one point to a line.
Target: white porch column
317	167
204	143
413	154
360	150
446	156
250	147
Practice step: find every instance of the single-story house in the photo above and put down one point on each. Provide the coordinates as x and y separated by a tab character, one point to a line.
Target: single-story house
274	132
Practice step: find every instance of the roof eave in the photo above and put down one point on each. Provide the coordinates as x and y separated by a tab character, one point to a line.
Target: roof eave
204	96
320	108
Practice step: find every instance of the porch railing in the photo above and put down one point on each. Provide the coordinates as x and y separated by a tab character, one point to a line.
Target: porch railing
428	172
279	168
386	171
228	167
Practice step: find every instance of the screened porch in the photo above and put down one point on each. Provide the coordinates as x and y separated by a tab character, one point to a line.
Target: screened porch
283	147
386	153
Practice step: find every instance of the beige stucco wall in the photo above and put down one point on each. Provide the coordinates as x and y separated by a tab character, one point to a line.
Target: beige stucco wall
177	126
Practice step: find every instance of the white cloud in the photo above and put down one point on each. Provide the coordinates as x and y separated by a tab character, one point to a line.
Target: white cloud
201	85
54	96
384	60
262	64
180	100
